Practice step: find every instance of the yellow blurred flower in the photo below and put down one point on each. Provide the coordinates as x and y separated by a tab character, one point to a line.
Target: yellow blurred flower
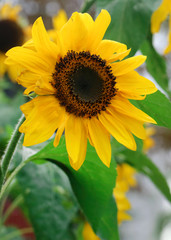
149	142
159	16
124	181
57	21
88	233
12	34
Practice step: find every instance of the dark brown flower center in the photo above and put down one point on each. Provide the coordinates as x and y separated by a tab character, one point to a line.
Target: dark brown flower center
11	35
84	84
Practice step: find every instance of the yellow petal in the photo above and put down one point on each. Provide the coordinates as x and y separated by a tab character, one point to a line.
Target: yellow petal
122	216
3	67
159	16
29	60
44	86
133	95
133	83
123	205
42	121
101	140
119	56
27	79
88	233
106	48
60	131
133	125
76	140
30	45
41	40
123	106
73	34
40	84
98	30
118	130
125	66
27	108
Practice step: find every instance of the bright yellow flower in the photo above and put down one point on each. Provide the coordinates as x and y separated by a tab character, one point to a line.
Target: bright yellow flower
124	181
12	34
83	87
148	142
88	233
159	16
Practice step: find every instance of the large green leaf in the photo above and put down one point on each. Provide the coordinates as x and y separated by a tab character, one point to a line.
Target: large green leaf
158	106
92	184
108	224
130	20
49	199
156	64
144	165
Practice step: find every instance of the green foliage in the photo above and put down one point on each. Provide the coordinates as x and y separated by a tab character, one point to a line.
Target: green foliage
130	20
144	165
108	224
9	115
156	64
92	184
49	200
158	106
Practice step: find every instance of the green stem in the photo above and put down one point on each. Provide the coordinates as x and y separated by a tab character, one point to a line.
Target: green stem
10	149
17	233
11	208
10	178
87	5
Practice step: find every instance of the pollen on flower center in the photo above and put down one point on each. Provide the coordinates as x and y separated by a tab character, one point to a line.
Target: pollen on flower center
11	35
84	83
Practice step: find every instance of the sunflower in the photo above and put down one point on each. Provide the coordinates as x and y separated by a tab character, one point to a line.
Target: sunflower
158	17
83	86
12	34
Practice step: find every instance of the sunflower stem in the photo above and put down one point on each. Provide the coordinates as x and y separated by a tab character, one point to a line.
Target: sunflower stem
87	5
12	175
9	151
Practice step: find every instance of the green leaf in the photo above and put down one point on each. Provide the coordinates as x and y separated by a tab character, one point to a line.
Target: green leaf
158	106
108	224
156	64
92	184
130	20
48	197
144	165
